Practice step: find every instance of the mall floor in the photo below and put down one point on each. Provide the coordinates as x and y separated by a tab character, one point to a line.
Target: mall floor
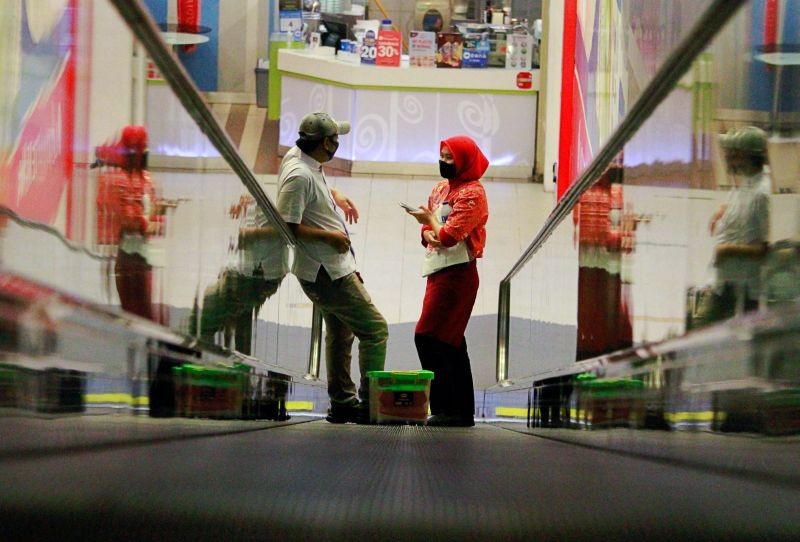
319	481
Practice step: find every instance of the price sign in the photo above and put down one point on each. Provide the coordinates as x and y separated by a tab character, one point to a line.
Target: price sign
369	48
388	48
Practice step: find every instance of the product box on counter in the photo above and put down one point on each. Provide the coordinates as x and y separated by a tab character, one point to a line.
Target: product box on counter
422	49
519	51
449	49
476	51
497	54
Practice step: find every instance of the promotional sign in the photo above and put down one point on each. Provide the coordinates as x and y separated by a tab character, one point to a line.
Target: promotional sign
40	168
291	22
38	131
519	51
389	46
422	49
290	18
369	48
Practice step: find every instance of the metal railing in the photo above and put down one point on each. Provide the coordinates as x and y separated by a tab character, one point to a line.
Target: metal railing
664	81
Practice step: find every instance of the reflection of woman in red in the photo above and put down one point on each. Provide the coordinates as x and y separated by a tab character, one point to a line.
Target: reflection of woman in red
128	213
604	322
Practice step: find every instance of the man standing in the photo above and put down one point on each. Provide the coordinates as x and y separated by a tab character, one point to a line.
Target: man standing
258	259
741	228
325	265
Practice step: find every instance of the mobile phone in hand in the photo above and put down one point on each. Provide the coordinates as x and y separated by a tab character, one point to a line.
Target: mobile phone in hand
408	207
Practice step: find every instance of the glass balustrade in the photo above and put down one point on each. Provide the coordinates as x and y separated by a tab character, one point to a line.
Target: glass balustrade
664	294
140	271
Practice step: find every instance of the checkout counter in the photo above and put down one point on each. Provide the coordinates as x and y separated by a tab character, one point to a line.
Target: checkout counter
400	114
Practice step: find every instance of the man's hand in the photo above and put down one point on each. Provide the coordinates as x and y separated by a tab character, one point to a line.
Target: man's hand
712	225
346	205
239	207
338	240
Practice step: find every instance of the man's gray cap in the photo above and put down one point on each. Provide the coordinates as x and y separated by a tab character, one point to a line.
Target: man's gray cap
750	139
316	126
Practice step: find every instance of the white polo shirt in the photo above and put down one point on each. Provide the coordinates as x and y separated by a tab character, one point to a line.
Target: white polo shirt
745	222
267	253
304	198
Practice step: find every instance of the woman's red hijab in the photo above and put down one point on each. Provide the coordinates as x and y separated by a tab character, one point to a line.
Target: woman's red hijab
470	162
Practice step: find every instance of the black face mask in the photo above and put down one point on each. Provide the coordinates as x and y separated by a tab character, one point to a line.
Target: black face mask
335	148
448	171
136	161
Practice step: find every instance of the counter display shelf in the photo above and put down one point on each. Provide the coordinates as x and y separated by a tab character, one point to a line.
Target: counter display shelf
399	115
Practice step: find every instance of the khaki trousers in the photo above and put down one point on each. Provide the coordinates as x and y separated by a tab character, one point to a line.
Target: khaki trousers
348	312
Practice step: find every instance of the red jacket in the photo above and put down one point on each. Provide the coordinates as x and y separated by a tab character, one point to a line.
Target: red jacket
466	196
122	205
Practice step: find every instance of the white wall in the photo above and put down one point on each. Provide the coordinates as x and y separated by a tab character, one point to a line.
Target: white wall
111	81
243	35
550	98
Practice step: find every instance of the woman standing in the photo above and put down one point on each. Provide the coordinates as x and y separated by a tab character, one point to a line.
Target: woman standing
454	234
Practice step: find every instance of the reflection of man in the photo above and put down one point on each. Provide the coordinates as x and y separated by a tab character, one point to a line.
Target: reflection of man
326	268
741	228
258	263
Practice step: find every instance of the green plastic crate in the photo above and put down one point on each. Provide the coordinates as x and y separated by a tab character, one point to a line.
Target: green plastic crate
209	392
398	397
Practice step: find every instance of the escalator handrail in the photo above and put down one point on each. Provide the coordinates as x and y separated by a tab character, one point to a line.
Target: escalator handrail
34	225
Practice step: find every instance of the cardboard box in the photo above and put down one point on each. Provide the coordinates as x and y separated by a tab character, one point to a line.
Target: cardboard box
449	48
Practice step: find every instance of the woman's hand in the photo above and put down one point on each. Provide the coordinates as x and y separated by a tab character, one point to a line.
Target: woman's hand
346	205
430	237
423	215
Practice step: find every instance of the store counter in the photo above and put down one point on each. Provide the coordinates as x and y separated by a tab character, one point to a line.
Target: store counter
399	115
